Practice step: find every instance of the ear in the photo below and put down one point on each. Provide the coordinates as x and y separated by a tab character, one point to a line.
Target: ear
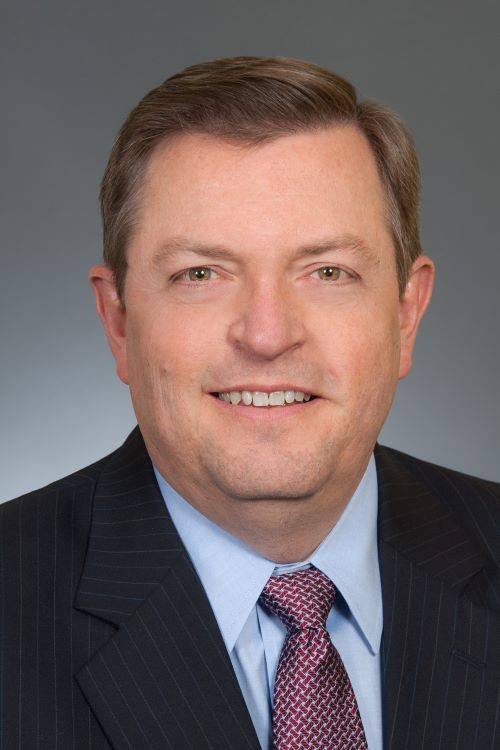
412	306
112	314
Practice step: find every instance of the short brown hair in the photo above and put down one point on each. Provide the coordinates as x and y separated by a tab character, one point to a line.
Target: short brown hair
254	100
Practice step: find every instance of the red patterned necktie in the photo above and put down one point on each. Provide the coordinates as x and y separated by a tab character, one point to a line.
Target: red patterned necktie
314	706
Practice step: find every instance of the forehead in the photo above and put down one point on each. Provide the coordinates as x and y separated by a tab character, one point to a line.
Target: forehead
291	189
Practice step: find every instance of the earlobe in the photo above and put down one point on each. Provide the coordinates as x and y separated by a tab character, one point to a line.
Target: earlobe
412	307
112	315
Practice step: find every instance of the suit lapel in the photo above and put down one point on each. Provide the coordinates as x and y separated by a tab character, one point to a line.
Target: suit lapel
164	678
435	645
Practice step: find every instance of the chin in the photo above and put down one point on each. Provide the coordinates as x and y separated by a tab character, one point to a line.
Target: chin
268	485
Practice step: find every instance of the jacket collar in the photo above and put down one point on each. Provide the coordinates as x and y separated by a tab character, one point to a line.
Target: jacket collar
132	542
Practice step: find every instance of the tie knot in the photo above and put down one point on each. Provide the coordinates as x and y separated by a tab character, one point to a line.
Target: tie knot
302	599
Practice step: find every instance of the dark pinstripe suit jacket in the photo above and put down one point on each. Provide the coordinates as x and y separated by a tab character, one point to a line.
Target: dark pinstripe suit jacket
108	639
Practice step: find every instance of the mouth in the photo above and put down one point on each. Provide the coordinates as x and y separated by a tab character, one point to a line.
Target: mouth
264	399
224	396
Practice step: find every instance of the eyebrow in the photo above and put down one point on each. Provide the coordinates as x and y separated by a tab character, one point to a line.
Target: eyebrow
177	245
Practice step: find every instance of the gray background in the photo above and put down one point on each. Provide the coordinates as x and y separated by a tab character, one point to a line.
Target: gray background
74	70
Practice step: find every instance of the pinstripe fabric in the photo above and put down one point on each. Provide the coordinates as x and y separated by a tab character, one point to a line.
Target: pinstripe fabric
438	543
43	537
108	639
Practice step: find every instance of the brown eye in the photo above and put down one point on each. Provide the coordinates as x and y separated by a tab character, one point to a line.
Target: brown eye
329	273
199	274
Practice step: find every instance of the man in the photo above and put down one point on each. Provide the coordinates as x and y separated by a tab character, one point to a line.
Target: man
251	568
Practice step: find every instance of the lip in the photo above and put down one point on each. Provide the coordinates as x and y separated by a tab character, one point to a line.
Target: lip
266	413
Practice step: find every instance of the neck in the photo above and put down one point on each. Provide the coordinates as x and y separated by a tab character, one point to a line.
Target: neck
282	530
285	531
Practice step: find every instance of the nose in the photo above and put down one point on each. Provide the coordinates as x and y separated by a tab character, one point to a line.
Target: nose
267	322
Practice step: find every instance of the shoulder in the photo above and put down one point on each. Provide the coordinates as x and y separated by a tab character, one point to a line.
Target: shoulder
473	500
83	479
51	515
428	469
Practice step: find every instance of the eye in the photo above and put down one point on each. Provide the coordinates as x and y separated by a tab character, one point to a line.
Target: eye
195	274
331	273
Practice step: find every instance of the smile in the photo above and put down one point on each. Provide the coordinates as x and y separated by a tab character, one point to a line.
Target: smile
263	398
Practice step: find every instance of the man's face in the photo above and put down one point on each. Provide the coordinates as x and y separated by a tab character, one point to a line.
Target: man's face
264	309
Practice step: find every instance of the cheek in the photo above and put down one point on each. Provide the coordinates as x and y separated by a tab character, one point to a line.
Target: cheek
363	357
168	350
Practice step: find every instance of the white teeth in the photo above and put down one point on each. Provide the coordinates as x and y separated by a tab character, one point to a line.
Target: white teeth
261	398
277	398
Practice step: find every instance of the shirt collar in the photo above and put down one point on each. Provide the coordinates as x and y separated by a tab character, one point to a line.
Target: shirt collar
349	557
233	574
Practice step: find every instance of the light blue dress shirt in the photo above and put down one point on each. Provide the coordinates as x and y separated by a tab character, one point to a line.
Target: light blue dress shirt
233	576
